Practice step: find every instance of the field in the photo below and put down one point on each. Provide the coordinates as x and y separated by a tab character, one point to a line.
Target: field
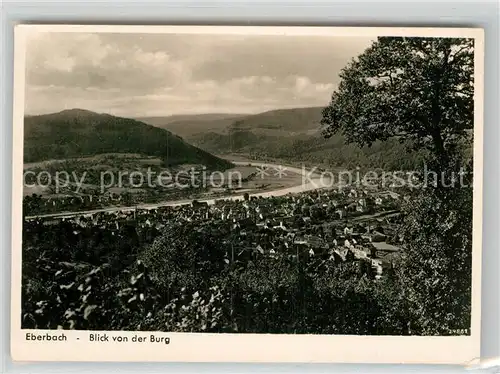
109	180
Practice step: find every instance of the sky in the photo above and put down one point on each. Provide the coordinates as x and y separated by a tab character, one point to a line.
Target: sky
138	75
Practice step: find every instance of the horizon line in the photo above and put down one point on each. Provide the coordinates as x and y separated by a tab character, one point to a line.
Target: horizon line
174	114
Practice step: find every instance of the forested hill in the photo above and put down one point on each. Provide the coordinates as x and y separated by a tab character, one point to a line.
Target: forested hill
187	125
294	120
297	120
78	133
294	135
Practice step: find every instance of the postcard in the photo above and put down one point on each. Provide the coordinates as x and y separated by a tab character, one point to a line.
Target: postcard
247	194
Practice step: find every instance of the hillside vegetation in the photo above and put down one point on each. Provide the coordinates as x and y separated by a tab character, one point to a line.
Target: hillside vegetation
188	125
79	133
296	120
294	135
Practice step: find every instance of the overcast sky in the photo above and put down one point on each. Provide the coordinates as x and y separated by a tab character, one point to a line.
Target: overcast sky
162	74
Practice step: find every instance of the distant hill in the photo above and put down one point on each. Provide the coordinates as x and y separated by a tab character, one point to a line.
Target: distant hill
296	120
78	133
158	120
188	125
294	135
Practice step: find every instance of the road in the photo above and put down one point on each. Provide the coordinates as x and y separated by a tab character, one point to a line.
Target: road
310	181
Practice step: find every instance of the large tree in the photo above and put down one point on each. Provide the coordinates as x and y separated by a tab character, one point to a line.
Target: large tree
417	89
421	91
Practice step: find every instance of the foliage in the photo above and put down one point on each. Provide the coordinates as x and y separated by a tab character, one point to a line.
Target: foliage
417	89
196	312
149	283
185	256
436	274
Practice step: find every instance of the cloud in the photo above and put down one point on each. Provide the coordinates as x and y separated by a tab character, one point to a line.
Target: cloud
86	61
136	75
303	87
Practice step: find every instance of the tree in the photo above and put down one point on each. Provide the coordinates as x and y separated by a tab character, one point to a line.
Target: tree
420	90
417	89
185	256
435	274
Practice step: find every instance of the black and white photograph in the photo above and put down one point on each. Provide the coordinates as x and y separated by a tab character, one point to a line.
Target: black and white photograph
219	182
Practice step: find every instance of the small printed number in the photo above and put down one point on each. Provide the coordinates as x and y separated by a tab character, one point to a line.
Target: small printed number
460	331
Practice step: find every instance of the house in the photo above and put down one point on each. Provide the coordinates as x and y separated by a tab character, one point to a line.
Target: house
348	230
199	204
340	255
340	213
280	226
377	237
377	268
381	249
260	249
358	253
51	222
315	241
352	207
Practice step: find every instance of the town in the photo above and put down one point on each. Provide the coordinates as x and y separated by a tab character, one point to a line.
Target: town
324	225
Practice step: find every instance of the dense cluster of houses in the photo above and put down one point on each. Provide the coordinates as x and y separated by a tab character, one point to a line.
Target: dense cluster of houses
314	227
